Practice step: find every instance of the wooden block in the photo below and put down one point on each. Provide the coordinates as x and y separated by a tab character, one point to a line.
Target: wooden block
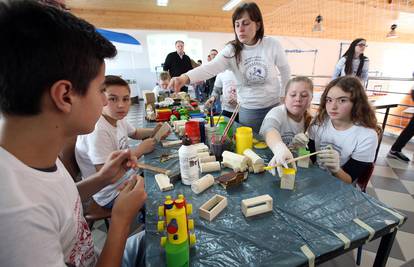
203	155
210	166
145	166
232	179
258	168
256	205
165	128
287	181
235	161
253	157
201	147
149	97
163	182
207	159
202	184
210	209
166	143
304	162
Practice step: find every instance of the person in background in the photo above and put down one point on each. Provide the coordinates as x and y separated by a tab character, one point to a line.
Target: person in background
284	126
346	122
162	87
256	61
209	83
177	63
353	62
111	133
403	138
225	88
41	214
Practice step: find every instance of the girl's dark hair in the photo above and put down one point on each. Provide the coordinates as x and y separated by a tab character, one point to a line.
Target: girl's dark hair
362	112
307	115
349	55
255	15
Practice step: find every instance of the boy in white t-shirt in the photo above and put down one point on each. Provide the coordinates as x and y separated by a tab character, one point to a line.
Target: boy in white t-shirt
51	90
161	88
111	133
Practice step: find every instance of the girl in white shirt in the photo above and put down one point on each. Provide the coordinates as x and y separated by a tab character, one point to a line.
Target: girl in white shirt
346	121
285	125
255	60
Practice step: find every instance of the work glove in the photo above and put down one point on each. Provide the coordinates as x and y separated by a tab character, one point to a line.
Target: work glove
300	140
281	155
329	158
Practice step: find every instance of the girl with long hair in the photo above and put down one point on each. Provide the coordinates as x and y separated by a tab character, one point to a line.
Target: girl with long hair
284	125
346	122
353	62
255	60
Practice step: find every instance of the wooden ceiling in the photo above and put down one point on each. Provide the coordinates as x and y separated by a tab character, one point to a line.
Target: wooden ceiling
342	19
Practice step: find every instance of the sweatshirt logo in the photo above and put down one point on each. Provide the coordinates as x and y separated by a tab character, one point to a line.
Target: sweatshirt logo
256	71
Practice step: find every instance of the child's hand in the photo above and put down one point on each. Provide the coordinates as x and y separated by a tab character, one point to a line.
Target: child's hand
210	102
117	164
281	155
330	159
147	146
130	200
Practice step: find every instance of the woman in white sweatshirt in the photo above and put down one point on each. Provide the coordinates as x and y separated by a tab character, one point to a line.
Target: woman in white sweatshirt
255	60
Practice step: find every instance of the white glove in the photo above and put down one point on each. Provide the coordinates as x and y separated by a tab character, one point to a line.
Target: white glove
300	140
281	155
330	159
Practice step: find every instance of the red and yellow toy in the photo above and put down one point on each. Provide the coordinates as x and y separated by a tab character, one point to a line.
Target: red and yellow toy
174	219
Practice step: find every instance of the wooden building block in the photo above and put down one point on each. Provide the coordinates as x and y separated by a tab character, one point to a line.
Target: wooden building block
256	205
201	147
203	154
258	168
166	143
232	179
287	181
210	209
304	162
207	159
254	159
239	163
210	167
165	128
202	184
163	182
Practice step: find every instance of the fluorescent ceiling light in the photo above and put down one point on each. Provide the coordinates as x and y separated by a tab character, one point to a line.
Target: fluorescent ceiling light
230	5
162	2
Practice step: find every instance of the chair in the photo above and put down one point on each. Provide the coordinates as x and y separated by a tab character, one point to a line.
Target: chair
92	211
362	183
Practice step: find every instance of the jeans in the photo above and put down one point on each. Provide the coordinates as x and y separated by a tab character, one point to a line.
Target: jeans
253	117
134	252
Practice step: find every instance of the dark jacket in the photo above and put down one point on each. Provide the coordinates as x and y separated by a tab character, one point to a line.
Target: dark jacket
177	65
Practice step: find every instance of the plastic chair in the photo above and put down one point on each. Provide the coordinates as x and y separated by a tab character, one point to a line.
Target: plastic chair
92	211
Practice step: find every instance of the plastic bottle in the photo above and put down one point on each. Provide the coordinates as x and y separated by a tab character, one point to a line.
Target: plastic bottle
244	139
188	162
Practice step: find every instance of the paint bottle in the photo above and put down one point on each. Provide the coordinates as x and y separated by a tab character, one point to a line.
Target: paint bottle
244	139
188	162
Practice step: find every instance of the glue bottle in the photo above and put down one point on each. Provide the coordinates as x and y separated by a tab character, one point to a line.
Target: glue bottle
188	162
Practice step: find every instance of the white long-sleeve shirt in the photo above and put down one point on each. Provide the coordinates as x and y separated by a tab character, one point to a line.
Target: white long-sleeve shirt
257	73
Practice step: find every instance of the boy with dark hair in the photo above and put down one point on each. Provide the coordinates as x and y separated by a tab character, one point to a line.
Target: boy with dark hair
112	131
51	75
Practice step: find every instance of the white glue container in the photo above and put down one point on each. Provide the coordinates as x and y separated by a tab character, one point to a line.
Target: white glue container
188	162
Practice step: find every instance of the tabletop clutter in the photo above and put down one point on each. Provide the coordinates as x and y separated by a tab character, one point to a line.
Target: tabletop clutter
208	144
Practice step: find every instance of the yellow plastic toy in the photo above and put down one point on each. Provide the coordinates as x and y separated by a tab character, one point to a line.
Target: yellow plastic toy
174	220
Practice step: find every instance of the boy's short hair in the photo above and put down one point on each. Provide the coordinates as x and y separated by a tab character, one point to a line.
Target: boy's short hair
164	76
42	45
115	80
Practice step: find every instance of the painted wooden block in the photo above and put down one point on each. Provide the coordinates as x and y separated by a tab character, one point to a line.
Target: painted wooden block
232	179
163	182
256	205
210	209
303	163
287	181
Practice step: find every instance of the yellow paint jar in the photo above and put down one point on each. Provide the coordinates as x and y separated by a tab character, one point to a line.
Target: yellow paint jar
244	139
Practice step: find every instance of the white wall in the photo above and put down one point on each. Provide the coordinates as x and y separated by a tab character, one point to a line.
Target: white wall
389	59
